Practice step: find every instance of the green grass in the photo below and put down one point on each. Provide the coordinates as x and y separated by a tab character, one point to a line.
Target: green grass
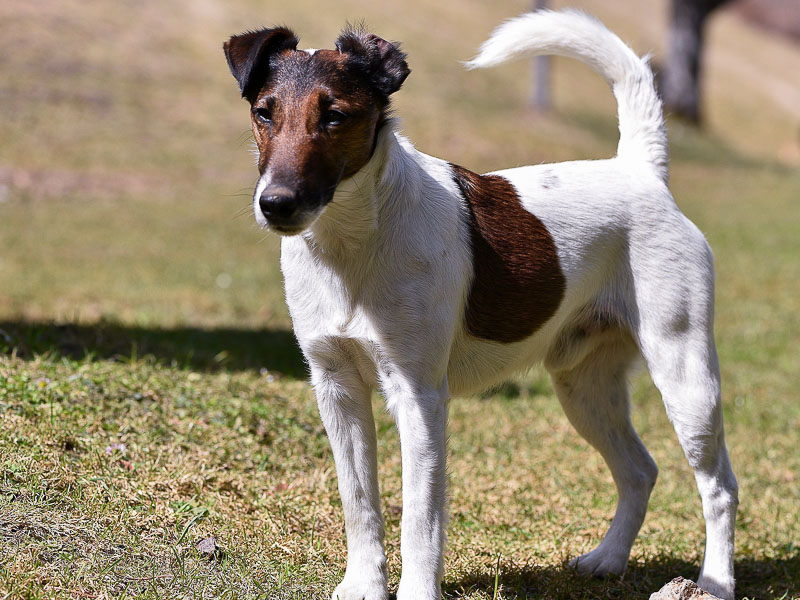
152	395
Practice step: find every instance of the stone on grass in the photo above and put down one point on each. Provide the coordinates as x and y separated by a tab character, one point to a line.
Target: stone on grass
682	589
208	547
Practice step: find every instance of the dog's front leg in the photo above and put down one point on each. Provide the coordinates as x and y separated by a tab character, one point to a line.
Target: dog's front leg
421	420
346	411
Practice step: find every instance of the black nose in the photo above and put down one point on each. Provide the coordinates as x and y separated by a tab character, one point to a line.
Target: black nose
278	204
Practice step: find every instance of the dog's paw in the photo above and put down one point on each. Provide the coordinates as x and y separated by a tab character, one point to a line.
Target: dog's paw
722	590
600	562
360	590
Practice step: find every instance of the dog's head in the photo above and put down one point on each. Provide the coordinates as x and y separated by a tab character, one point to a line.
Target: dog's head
315	115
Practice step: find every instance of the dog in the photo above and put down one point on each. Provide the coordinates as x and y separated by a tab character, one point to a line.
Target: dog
410	275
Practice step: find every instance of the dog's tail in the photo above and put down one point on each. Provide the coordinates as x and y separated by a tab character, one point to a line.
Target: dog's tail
577	35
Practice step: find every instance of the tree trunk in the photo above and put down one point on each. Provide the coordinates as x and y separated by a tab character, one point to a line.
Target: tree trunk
681	78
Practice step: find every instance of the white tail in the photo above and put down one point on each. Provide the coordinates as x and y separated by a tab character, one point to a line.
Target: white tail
576	35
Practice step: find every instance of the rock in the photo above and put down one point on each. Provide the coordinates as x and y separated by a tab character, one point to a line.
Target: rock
681	589
208	547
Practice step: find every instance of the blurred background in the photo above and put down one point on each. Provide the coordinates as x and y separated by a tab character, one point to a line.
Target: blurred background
125	152
149	379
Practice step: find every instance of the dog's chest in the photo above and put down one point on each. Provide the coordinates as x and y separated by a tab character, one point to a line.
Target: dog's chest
349	299
389	316
320	302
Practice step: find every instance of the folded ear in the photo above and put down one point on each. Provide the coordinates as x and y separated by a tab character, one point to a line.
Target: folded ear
382	62
249	54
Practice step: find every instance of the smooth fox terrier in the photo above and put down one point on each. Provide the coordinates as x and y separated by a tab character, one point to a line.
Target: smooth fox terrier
424	280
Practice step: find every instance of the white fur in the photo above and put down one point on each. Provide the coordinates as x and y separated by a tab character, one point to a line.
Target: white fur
576	35
377	287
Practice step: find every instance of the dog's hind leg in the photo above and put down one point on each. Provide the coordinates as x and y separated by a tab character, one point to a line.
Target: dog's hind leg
682	359
593	391
688	379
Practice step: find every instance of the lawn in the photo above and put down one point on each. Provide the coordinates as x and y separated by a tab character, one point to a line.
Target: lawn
157	435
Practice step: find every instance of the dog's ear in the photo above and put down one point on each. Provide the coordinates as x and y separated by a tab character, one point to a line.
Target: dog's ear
249	56
382	62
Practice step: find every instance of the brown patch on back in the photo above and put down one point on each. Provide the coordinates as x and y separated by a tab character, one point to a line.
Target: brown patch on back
517	284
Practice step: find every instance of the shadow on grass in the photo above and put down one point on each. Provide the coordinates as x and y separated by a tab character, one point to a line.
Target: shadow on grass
761	579
184	347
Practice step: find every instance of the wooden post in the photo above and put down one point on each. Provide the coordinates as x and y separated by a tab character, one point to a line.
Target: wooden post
540	92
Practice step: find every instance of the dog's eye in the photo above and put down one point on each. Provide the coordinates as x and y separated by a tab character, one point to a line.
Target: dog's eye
263	114
331	118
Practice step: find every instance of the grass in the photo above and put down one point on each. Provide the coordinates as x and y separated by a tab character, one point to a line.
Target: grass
151	393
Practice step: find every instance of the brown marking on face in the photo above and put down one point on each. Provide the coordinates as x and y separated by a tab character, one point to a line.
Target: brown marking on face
314	122
315	116
517	283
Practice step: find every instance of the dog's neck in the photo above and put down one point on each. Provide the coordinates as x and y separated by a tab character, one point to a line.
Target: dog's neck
352	218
